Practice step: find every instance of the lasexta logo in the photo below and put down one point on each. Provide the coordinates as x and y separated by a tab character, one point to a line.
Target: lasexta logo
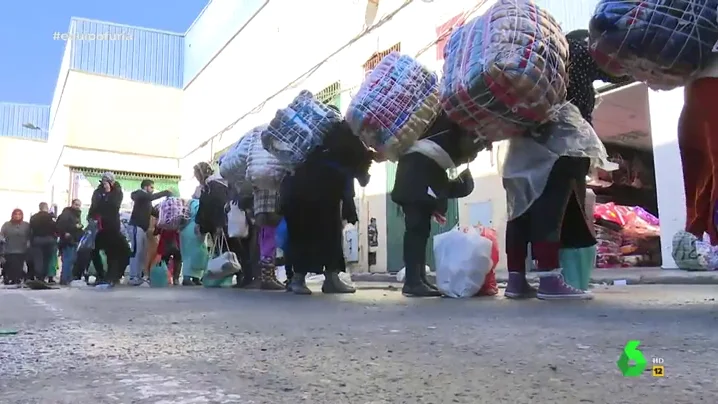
632	353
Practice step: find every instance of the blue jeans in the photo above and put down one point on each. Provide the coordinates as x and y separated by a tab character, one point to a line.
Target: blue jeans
69	254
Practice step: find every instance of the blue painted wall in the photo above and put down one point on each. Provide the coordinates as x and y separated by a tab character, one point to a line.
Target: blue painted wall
131	53
14	116
219	22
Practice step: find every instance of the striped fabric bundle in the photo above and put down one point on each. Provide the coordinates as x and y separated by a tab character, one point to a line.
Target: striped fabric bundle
663	43
505	71
296	130
395	105
264	170
233	166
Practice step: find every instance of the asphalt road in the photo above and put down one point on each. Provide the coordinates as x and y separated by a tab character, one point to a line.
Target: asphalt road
183	345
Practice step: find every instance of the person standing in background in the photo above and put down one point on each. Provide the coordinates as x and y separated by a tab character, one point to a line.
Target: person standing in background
140	224
43	243
69	226
105	208
16	235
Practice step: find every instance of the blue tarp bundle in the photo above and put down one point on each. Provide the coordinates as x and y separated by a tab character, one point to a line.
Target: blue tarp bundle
662	42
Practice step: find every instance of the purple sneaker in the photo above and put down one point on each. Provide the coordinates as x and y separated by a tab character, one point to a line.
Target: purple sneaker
518	287
553	287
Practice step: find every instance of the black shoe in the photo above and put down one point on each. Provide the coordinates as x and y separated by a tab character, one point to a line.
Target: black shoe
187	282
51	281
333	284
196	281
425	280
419	289
298	285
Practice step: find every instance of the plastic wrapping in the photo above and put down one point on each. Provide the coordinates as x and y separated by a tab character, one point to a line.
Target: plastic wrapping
526	162
233	166
174	214
660	42
264	170
505	71
608	247
296	130
87	241
395	105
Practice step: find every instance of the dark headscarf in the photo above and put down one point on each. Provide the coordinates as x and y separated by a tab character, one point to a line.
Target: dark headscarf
203	170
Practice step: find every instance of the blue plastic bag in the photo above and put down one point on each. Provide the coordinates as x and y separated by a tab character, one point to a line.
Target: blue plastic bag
578	264
281	236
159	276
87	242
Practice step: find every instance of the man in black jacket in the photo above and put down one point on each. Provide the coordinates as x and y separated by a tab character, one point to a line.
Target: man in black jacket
105	208
43	239
139	224
70	229
422	188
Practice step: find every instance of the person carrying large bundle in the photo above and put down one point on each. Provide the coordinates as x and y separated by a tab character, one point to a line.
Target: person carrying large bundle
265	172
319	193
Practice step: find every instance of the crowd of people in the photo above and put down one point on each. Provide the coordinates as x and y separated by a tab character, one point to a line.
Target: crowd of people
315	200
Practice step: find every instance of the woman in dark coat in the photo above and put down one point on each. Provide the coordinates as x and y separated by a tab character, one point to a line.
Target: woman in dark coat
105	208
315	199
422	188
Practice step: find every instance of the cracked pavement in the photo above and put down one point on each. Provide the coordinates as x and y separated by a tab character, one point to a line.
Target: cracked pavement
194	345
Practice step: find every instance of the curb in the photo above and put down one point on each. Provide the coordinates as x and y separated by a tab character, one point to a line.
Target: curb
604	276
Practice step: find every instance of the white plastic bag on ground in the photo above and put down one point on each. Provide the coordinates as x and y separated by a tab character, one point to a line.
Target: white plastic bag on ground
463	258
401	275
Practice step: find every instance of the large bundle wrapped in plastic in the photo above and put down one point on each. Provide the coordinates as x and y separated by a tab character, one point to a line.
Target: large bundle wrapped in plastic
174	213
296	130
264	170
233	166
505	71
661	42
395	105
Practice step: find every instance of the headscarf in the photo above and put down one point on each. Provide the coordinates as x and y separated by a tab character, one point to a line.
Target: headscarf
109	177
22	216
203	171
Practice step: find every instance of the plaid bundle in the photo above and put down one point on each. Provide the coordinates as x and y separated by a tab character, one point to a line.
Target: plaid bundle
505	71
395	105
296	130
660	42
264	170
174	213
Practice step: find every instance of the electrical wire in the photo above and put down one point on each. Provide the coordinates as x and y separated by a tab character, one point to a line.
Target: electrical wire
308	73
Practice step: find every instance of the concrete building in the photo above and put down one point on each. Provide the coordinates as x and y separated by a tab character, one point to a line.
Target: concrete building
152	104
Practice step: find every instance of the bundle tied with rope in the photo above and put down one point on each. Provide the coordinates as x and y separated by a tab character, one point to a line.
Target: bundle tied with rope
663	43
505	71
395	105
233	166
264	170
298	129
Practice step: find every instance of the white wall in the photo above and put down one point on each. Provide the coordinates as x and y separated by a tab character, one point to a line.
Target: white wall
665	109
24	177
104	113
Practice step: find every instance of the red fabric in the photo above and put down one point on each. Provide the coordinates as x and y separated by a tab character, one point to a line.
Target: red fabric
168	238
444	31
698	143
490	287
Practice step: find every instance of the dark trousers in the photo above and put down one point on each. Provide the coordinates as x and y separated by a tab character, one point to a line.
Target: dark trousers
41	249
13	269
173	255
417	224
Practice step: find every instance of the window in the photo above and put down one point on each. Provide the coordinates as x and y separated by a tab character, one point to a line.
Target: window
374	60
443	33
331	94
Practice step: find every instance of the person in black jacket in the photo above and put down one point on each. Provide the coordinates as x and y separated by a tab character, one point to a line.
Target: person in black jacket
43	243
70	230
422	188
105	208
315	199
139	224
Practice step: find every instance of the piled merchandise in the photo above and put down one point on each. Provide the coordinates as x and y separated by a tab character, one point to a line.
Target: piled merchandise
264	170
395	105
296	130
233	166
173	214
627	236
505	71
660	42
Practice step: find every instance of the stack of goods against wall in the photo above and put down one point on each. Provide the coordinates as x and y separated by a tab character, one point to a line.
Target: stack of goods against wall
627	236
